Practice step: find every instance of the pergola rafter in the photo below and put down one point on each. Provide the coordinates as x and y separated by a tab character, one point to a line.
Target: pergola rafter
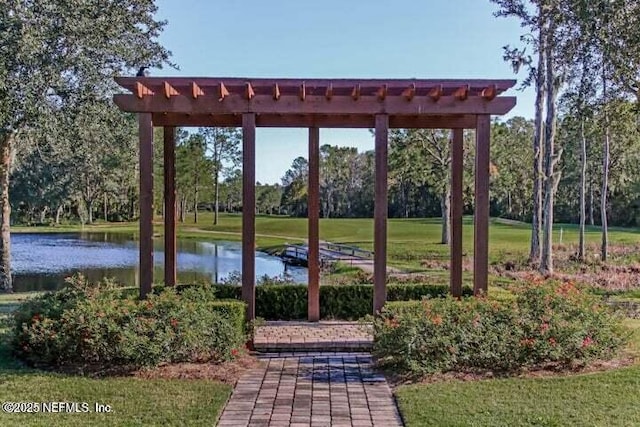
380	104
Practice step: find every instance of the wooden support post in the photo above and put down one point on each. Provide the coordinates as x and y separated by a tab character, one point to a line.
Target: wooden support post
313	208
380	214
170	266
249	213
457	168
481	211
145	134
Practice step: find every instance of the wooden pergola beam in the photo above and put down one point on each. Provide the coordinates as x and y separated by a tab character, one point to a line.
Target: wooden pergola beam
423	85
276	92
222	92
457	206
380	213
489	93
329	92
481	213
462	93
170	235
382	92
196	91
145	135
313	209
316	105
249	213
435	93
249	92
142	91
409	92
169	90
355	93
322	121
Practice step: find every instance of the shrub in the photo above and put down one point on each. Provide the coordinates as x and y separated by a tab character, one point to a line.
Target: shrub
347	302
544	325
95	325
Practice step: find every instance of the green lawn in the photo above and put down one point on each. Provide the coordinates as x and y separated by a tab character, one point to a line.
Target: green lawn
604	399
134	402
410	240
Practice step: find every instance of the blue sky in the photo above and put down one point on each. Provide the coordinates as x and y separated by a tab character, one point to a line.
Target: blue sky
333	38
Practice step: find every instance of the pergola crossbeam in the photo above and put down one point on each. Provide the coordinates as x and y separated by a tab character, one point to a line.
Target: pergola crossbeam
315	104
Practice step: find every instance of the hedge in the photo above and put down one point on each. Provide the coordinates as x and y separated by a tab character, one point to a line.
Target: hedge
347	302
98	326
545	326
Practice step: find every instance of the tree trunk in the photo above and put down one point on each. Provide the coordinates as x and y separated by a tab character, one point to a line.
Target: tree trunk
445	207
551	179
195	206
104	207
59	212
43	214
90	212
183	203
605	172
6	148
591	215
536	221
583	179
217	198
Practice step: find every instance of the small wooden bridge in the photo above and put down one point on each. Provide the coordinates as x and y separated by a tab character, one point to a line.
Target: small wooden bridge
329	253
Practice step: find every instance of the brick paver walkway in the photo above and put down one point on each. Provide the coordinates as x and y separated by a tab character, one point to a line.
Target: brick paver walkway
312	389
324	335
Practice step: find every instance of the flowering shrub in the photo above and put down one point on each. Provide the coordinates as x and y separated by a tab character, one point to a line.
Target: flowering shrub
553	324
95	325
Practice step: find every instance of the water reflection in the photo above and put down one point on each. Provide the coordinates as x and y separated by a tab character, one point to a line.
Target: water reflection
41	261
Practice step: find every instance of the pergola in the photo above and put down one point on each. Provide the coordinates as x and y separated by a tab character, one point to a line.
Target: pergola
315	103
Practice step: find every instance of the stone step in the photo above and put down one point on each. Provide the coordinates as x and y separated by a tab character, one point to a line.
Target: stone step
288	336
313	346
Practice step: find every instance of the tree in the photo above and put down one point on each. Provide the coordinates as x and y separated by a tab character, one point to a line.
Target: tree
268	198
552	39
423	157
511	155
294	184
194	171
223	144
55	53
536	75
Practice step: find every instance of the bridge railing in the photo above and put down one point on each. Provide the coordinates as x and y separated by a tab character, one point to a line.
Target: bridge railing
348	250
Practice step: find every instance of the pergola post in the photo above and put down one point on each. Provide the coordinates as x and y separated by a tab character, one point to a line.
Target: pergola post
170	267
457	167
380	213
313	212
249	212
481	212
145	135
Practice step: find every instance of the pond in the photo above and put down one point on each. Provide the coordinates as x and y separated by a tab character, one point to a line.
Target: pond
41	261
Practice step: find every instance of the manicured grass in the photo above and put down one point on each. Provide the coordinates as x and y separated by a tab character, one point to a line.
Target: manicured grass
409	240
598	399
134	402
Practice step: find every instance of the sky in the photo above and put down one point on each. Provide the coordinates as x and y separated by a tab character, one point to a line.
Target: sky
430	39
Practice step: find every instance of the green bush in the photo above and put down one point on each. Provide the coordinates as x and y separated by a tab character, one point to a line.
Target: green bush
99	327
544	325
347	302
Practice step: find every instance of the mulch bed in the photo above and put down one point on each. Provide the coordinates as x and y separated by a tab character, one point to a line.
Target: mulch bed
228	372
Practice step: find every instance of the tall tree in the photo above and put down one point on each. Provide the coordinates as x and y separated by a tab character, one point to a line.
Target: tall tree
554	43
530	13
194	171
223	145
55	53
